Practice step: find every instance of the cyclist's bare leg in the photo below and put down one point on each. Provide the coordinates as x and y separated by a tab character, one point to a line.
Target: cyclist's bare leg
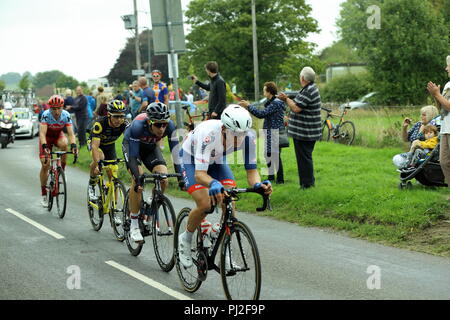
135	197
62	145
43	174
203	204
162	169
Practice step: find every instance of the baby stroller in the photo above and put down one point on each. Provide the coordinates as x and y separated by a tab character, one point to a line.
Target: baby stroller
428	172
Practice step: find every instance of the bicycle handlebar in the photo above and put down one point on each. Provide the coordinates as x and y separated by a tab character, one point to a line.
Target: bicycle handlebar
60	153
158	176
233	193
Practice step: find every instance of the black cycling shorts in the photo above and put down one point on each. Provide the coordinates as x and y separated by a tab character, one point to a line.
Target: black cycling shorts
151	156
109	150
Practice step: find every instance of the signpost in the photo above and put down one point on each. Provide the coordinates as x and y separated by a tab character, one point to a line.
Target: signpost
168	38
138	72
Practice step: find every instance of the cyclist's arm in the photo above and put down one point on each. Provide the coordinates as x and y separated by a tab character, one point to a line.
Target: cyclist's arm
43	133
173	143
95	150
71	135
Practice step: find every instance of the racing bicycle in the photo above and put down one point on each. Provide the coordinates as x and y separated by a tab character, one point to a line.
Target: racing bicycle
109	198
343	132
239	264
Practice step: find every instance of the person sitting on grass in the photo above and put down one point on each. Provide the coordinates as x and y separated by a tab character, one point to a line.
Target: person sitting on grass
420	149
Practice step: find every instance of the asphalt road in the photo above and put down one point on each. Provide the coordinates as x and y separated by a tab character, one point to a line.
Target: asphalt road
297	262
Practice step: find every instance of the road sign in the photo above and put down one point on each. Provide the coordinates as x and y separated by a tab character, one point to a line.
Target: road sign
162	18
137	72
129	21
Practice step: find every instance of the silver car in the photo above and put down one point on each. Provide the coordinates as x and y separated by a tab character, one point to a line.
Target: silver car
27	121
362	103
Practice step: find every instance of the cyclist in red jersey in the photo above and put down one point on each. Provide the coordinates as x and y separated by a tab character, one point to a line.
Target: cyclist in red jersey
51	134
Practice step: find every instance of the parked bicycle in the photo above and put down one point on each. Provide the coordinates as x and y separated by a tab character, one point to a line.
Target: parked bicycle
108	198
343	132
56	183
190	125
157	219
239	264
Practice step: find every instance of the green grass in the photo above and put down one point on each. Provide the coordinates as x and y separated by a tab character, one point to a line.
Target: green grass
356	192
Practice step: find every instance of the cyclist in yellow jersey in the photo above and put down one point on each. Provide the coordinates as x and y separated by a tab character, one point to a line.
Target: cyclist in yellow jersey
105	132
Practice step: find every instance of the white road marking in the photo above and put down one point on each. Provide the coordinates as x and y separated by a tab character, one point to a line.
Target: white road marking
34	223
148	281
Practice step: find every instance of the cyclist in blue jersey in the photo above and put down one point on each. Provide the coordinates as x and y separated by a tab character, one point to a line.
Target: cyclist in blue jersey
206	172
140	147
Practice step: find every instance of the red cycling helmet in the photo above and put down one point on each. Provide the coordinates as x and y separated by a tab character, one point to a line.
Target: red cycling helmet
55	101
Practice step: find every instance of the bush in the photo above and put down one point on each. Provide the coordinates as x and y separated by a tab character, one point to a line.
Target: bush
347	88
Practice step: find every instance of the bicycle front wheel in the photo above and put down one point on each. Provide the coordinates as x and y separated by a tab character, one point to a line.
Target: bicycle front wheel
346	133
189	277
50	187
61	194
240	265
134	247
163	233
95	206
117	209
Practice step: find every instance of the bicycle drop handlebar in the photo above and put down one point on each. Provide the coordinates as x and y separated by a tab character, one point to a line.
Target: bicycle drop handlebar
234	195
60	153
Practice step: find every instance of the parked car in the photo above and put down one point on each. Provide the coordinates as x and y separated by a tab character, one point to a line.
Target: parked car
27	122
362	103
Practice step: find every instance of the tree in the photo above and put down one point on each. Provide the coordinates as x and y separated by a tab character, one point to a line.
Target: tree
222	31
2	85
42	79
126	62
405	51
339	52
25	83
65	81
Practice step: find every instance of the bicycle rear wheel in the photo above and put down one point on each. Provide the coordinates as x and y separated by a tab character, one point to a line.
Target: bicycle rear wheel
346	133
240	265
189	277
163	233
95	207
134	247
325	132
61	194
116	211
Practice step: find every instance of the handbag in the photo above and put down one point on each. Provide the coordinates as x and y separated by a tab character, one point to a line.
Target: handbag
283	138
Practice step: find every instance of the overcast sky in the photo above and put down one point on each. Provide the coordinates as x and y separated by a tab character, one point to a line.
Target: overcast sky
83	38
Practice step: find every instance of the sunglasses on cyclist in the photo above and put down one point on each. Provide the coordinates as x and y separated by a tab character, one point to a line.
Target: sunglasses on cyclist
160	124
118	116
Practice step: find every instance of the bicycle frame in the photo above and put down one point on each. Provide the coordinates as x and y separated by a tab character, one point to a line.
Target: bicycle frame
110	185
190	124
55	165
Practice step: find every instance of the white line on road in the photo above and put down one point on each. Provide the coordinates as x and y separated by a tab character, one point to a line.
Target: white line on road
37	225
148	281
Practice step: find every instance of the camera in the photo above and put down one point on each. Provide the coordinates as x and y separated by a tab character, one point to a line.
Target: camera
190	77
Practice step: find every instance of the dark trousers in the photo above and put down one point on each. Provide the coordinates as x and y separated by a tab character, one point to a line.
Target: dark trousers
303	152
275	168
82	126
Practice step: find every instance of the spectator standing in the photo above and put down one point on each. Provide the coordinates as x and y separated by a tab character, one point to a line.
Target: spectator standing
91	106
102	110
216	87
100	92
68	103
190	97
273	115
305	125
148	94
136	99
81	114
160	88
443	101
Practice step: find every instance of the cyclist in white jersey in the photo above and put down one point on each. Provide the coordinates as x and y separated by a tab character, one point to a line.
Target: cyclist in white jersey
205	171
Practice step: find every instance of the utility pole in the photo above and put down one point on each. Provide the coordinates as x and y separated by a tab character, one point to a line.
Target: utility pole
136	42
255	52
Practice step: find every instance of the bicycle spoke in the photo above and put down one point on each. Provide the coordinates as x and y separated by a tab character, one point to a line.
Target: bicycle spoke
163	234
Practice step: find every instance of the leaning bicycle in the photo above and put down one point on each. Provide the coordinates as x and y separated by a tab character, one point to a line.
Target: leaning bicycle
107	198
157	219
56	183
239	264
190	125
343	132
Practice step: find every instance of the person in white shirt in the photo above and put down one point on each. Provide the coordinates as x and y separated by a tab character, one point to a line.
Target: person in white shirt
444	101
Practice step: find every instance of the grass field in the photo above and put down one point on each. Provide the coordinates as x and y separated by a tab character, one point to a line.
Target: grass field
356	192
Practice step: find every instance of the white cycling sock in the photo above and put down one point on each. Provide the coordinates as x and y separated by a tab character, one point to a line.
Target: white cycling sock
187	236
134	220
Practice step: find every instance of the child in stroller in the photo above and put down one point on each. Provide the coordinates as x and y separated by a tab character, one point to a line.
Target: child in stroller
420	149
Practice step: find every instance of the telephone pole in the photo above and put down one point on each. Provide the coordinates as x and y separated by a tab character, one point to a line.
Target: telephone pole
255	52
136	42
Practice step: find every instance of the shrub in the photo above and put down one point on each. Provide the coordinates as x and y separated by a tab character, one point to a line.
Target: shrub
347	88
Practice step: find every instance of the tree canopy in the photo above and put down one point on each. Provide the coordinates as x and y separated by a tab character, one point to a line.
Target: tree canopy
221	31
405	51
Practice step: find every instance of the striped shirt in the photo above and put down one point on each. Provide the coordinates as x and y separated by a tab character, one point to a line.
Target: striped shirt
306	125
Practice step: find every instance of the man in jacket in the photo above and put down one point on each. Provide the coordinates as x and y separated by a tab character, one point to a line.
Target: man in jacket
217	88
81	114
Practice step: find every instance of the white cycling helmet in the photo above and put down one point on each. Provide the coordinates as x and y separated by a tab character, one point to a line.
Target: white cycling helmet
236	118
8	105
